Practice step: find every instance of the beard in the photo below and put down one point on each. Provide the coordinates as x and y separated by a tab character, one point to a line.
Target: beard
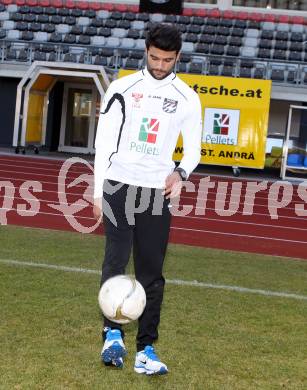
159	74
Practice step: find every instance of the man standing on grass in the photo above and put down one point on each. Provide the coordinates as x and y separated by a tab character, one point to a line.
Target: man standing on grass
141	117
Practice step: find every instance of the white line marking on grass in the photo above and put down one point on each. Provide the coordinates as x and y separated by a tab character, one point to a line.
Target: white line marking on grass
178	282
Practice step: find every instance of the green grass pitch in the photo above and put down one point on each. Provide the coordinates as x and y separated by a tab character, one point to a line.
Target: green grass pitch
210	338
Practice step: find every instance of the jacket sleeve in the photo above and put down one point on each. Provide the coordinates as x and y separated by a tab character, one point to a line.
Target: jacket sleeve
191	131
106	138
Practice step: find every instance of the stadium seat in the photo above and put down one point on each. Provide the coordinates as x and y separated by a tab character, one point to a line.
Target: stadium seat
283	27
56	19
220	40
4	16
232	51
245	72
8	25
69	39
49	28
156	18
13	34
125	24
112	42
97	22
296	37
191	38
76	12
292	76
105	32
130	16
270	26
252	33
99	60
138	25
123	53
103	14
84	21
251	42
295	56
131	63
11	54
297	28
213	70
227	71
235	41
248	51
91	31
225	22
110	23
77	30
69	57
217	49
237	32
208	30
127	43
52	57
280	55
194	29
16	17
55	37
187	47
296	46
89	13
281	35
41	36
70	20
116	15
267	34
264	53
119	33
23	55
277	75
42	18
140	44
84	40
2	34
265	44
137	54
281	45
63	12
206	38
259	73
39	56
240	24
63	28
98	41
202	48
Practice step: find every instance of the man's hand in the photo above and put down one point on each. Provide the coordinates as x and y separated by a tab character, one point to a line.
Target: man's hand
173	185
97	208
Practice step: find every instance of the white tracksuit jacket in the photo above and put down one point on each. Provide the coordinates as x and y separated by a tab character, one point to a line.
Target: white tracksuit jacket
139	124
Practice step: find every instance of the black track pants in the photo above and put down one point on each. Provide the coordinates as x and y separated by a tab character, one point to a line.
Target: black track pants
147	231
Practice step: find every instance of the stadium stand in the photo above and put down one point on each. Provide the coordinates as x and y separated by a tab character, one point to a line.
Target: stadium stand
274	45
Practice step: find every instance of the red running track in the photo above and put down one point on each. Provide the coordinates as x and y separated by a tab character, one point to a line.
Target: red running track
219	212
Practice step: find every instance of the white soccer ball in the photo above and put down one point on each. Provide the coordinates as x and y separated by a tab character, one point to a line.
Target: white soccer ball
122	299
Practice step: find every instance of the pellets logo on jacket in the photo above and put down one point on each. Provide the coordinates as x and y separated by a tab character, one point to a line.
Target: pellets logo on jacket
149	130
170	106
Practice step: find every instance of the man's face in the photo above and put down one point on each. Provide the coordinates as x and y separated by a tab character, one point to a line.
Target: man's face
160	63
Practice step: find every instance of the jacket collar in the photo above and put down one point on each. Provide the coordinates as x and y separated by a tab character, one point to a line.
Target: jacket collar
157	83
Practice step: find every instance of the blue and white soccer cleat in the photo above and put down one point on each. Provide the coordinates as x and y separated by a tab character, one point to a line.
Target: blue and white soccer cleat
113	350
147	362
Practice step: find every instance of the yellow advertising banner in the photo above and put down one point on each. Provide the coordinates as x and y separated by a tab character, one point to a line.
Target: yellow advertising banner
235	119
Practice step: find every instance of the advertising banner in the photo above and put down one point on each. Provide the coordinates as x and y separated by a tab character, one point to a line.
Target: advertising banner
235	119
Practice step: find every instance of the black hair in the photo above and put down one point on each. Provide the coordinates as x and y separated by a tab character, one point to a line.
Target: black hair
164	37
